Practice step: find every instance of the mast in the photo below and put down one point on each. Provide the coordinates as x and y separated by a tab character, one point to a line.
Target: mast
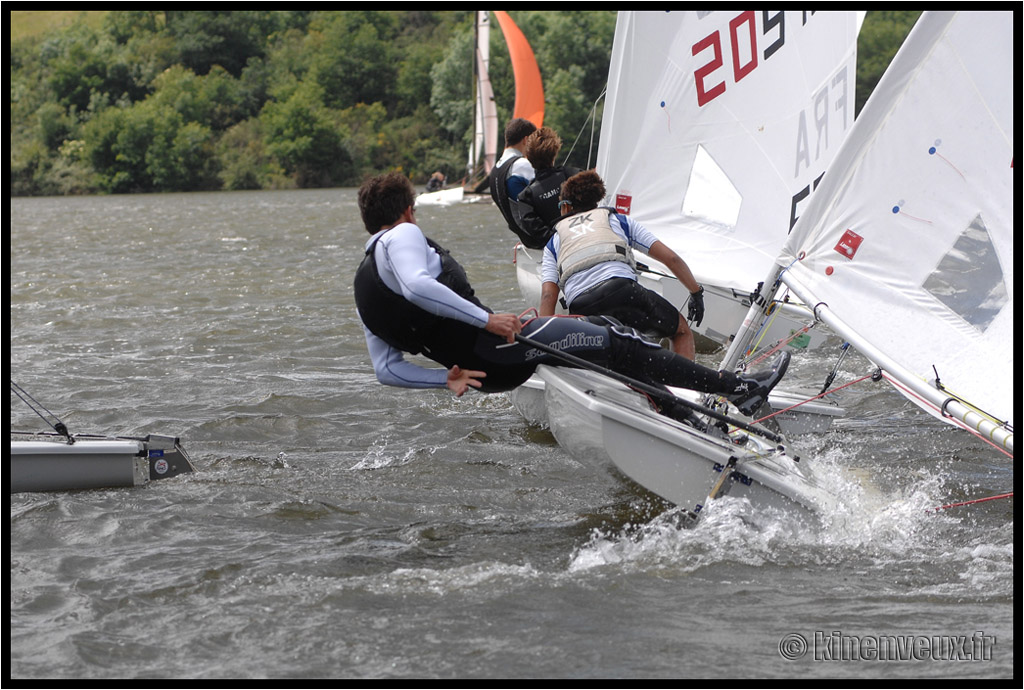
483	148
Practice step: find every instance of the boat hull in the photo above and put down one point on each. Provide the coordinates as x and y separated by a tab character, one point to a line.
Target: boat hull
791	414
444	197
55	465
602	422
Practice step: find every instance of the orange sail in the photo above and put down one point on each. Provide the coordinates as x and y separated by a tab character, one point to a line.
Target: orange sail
529	89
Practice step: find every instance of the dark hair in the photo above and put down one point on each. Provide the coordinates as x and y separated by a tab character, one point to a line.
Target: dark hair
584	190
541	148
518	129
383	199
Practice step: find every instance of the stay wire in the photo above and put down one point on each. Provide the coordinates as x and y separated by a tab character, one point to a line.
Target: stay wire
35	406
592	119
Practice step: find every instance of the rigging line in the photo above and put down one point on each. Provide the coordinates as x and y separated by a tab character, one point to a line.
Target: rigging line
773	307
779	344
59	427
762	329
835	369
765	325
772	310
906	391
591	117
971	502
819	395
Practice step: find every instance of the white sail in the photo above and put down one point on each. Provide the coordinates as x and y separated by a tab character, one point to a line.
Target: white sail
717	126
908	241
485	132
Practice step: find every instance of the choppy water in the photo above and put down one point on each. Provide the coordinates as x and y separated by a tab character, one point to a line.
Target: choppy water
338	528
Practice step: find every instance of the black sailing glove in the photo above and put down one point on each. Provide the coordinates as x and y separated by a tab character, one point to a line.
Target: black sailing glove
696	310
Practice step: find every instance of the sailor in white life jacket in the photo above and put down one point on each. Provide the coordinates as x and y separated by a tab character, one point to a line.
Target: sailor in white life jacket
590	260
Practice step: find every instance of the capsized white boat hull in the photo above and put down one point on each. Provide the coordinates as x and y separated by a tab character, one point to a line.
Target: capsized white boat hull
725	308
46	464
601	421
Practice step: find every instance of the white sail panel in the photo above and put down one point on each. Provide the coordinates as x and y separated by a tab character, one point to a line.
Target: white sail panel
761	99
909	237
485	138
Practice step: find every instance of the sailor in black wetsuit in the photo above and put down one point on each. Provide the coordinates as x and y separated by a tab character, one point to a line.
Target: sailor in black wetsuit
412	296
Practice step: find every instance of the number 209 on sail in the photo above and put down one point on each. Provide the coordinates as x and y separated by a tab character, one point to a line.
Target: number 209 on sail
742	42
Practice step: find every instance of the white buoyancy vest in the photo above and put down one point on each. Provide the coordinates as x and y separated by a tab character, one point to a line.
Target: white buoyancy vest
587	239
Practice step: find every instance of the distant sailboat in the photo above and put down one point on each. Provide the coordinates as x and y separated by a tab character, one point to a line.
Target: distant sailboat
529	104
484	149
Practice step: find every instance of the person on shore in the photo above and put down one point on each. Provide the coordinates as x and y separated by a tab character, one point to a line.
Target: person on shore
589	258
413	297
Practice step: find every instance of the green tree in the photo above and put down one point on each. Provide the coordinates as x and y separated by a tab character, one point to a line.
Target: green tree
78	70
302	134
354	62
149	147
186	99
451	95
228	38
244	162
215	99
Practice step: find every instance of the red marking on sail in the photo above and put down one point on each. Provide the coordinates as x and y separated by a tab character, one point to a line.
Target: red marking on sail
848	244
623	202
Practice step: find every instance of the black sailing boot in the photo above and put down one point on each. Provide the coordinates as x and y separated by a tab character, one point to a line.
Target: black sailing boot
752	391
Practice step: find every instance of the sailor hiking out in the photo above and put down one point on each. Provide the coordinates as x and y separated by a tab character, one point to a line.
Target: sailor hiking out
413	297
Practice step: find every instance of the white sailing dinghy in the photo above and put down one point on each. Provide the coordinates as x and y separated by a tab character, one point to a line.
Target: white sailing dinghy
61	461
50	463
906	249
717	159
716	128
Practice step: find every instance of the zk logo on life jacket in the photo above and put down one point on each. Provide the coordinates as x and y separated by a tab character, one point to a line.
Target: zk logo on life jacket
581	224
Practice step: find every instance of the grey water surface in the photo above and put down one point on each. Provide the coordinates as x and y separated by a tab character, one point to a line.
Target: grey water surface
339	528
